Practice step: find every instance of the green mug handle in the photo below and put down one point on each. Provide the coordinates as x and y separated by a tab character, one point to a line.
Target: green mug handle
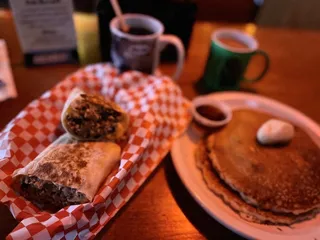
266	67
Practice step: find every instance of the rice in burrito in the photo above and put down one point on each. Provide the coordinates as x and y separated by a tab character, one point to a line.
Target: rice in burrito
66	173
91	117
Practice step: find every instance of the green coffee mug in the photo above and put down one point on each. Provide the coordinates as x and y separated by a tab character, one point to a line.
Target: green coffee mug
230	54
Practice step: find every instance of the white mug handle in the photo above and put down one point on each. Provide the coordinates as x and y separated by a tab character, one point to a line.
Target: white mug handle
174	40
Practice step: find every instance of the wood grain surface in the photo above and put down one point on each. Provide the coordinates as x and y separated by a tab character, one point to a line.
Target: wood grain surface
162	208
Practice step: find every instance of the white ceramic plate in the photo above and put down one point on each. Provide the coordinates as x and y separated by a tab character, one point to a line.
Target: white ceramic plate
183	158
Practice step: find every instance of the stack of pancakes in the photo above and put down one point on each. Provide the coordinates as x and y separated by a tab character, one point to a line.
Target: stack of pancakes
264	184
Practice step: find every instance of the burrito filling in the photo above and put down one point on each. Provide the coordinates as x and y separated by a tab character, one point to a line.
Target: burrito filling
92	117
49	194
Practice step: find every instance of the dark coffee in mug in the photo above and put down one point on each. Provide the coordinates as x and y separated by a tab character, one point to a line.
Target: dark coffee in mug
139	31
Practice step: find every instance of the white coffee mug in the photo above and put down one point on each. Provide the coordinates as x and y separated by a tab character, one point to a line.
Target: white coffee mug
141	51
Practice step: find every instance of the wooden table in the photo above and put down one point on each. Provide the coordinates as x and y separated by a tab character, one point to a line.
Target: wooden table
162	208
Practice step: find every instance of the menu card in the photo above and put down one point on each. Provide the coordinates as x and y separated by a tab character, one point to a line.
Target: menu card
7	86
46	31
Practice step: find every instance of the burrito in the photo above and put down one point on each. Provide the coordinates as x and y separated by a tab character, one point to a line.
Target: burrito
91	117
66	173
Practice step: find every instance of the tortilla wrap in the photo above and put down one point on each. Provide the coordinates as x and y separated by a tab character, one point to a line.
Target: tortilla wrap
67	172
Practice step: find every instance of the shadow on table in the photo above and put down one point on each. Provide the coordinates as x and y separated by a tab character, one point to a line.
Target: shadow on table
245	87
205	224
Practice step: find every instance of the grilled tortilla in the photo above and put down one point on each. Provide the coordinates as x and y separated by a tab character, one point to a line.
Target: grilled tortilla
91	117
284	179
66	173
233	199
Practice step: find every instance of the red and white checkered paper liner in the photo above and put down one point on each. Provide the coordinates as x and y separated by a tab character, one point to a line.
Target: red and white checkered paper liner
158	112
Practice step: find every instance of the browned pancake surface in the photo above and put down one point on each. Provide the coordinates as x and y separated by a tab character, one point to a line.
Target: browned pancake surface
232	198
282	179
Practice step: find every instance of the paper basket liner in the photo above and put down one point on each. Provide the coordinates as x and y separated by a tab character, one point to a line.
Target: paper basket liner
159	114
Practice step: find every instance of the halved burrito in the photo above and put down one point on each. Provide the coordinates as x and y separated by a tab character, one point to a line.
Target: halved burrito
66	173
91	117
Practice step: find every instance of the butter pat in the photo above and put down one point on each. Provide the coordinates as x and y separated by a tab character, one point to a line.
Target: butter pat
275	131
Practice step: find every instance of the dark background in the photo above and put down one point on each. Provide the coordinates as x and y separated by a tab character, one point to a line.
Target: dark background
211	10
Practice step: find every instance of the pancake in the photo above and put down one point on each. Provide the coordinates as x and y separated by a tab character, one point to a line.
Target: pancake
233	199
283	179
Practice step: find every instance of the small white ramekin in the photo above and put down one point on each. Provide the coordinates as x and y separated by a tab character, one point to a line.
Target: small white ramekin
200	101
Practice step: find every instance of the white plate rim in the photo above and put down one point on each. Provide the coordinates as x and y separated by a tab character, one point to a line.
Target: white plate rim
241	228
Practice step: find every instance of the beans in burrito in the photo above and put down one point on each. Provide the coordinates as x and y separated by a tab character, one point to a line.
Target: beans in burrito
91	117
